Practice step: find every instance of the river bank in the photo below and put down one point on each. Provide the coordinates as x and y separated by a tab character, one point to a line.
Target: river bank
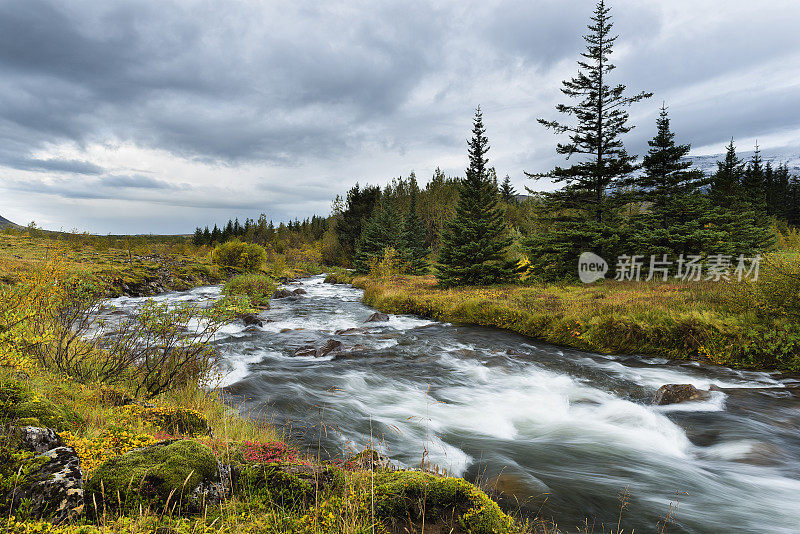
713	323
85	455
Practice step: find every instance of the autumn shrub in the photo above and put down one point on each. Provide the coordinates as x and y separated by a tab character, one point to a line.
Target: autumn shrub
237	255
776	291
165	347
257	287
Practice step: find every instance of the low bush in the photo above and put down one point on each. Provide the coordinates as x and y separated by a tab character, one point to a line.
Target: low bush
237	255
257	287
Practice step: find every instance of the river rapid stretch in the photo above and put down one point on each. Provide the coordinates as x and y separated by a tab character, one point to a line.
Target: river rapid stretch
560	432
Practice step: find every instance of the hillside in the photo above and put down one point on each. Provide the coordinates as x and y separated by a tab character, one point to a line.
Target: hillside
5	222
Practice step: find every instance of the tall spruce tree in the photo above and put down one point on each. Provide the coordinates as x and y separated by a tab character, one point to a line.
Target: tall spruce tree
413	247
754	183
507	191
667	175
676	218
582	212
726	183
475	241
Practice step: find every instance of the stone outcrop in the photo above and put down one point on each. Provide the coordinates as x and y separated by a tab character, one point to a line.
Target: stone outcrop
38	439
55	490
251	319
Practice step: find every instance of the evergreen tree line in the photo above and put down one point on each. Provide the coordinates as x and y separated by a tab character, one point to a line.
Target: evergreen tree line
263	231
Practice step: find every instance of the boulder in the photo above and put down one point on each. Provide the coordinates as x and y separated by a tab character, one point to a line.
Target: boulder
377	317
306	351
251	319
282	294
180	473
300	291
54	491
675	393
38	439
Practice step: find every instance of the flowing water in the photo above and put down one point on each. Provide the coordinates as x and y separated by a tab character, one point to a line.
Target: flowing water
556	431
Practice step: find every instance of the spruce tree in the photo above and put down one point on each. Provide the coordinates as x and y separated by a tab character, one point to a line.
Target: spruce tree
475	240
507	191
726	183
747	229
381	231
413	246
581	214
676	218
197	239
753	183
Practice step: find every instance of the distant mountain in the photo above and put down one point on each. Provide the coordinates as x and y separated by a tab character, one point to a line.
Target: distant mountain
6	222
708	164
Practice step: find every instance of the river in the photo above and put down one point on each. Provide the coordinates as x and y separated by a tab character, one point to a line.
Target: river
556	431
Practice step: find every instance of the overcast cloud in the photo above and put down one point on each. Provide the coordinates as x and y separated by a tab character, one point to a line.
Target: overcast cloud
158	116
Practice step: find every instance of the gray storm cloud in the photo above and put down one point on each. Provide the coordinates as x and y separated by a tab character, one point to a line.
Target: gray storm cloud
229	105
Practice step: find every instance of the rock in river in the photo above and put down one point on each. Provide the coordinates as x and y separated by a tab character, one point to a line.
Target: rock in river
674	393
251	319
377	317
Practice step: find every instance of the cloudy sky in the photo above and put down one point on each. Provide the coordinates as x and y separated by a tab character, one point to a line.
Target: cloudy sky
158	116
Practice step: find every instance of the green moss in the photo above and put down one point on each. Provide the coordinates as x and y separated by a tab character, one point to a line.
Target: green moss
290	486
21	407
158	475
404	496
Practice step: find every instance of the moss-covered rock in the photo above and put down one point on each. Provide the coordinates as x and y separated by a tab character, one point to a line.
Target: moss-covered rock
403	498
19	406
167	474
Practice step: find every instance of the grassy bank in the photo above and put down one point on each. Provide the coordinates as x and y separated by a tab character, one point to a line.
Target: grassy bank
738	325
143	445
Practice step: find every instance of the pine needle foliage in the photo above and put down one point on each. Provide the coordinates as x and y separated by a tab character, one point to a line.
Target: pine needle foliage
581	215
475	241
413	249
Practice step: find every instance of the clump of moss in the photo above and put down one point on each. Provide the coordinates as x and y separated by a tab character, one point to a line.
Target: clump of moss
164	474
404	497
20	406
288	485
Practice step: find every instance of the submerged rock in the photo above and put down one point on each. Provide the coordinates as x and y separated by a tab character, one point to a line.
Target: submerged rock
675	393
377	317
350	331
329	347
55	490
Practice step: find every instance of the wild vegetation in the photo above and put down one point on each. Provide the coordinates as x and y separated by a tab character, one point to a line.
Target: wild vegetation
149	434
